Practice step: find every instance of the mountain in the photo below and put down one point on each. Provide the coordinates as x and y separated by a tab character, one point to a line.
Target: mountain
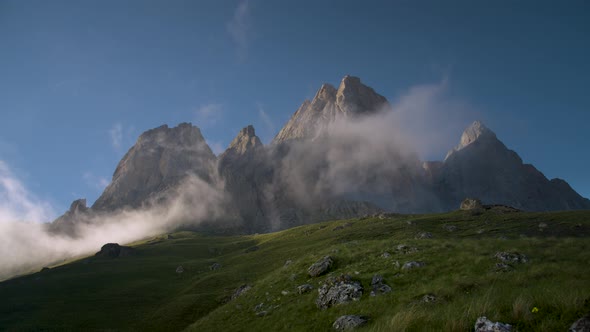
482	166
351	99
315	169
158	161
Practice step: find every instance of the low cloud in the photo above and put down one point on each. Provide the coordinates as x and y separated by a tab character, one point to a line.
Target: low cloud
17	203
239	28
116	135
209	114
32	245
269	126
94	181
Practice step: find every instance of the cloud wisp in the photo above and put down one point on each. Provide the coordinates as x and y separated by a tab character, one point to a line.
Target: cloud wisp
239	28
33	244
208	115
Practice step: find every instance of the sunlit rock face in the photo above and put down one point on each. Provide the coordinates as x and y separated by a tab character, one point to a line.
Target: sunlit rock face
159	160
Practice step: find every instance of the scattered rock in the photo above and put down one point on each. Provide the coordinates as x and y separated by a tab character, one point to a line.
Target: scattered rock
338	290
305	288
481	231
471	204
406	249
503	267
412	265
542	226
424	235
259	307
288	262
215	266
240	290
285	293
450	228
349	322
179	269
482	324
114	250
379	286
581	325
386	255
251	249
293	276
511	257
337	228
320	267
262	313
429	298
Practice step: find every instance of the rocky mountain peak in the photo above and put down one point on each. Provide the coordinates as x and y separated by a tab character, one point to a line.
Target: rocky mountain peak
78	206
245	141
477	131
352	98
160	159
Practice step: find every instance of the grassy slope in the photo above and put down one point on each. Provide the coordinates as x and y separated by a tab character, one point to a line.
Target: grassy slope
143	292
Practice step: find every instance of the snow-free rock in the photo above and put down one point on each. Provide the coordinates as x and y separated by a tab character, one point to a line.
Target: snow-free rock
349	322
338	290
320	267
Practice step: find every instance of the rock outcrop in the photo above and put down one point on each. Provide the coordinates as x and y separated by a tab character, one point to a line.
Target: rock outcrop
68	222
114	250
338	290
349	322
482	324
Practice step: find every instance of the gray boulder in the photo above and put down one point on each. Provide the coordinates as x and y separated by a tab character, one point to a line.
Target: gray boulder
379	286
511	257
471	204
338	290
240	290
412	265
215	266
482	324
320	267
581	325
305	288
349	322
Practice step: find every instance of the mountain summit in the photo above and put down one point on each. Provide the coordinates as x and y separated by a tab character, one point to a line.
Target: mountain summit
159	160
351	99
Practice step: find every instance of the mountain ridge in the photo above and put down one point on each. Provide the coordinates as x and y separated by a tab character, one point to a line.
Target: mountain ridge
289	182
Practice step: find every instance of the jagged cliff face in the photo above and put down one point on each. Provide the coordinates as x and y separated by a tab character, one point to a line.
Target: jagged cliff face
159	160
351	99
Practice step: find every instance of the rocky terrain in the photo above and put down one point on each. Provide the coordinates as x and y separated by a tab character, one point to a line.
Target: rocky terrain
312	171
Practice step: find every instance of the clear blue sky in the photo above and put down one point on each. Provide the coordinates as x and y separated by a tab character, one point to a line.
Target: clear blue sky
80	80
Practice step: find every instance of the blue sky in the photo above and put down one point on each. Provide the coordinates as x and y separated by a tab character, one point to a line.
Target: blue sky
80	80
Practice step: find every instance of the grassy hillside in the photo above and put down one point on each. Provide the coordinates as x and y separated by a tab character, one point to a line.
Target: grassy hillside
143	292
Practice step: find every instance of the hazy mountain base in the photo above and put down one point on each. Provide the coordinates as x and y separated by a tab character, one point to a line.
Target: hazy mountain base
144	292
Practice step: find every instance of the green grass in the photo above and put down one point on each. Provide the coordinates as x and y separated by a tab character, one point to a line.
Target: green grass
142	292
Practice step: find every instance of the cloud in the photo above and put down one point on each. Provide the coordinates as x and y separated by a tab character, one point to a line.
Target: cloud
116	135
33	245
17	203
269	125
209	115
94	181
239	28
216	146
